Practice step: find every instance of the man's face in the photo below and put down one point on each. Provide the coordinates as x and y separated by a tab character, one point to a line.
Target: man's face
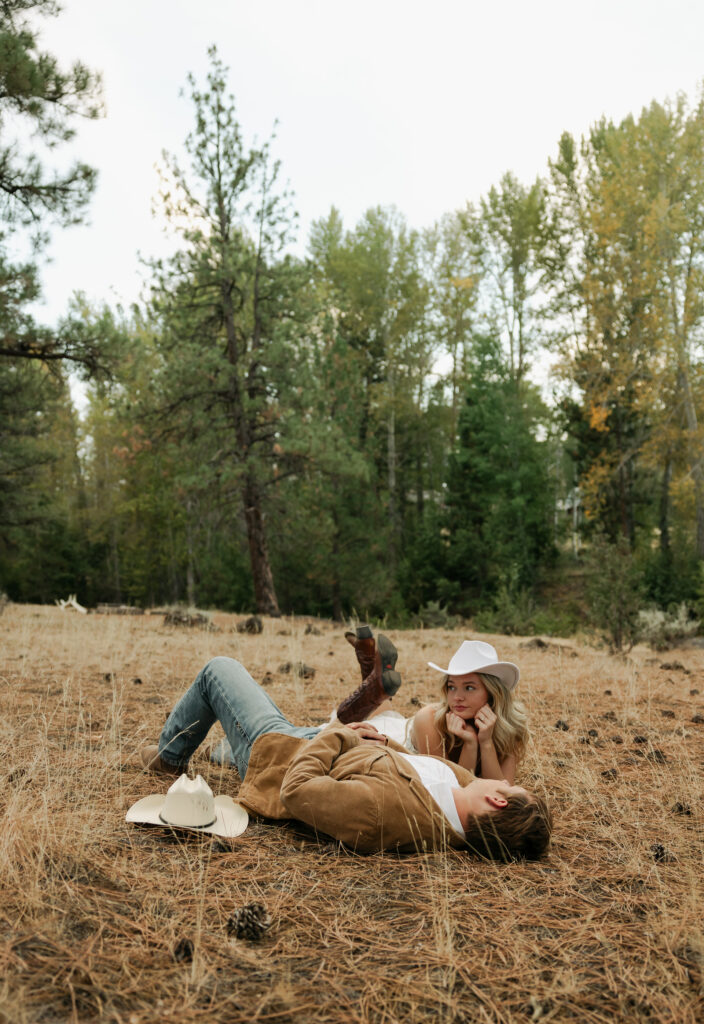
486	796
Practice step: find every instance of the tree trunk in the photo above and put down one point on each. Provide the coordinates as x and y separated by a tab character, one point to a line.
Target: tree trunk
420	498
693	446
694	456
264	592
115	555
190	573
173	570
335	564
393	509
665	506
623	488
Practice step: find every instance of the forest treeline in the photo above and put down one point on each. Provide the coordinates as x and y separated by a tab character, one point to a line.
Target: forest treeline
359	428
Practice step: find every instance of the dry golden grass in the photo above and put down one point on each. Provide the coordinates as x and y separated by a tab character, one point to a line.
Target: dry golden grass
93	909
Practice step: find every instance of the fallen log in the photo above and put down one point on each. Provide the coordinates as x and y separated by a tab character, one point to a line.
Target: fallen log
118	609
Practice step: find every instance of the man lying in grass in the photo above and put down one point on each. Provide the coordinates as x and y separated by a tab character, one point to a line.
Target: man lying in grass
349	782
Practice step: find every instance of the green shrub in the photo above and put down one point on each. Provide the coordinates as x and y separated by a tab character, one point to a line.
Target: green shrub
661	628
614	591
555	622
433	615
512	610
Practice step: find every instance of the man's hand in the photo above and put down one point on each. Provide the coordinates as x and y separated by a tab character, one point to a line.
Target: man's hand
367	731
456	726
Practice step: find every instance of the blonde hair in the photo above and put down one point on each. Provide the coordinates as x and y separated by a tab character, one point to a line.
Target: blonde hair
510	729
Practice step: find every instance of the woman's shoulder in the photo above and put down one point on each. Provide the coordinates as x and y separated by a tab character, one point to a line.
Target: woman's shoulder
426	714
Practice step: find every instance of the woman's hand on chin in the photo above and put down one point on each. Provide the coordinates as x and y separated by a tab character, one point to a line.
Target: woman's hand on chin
484	721
456	726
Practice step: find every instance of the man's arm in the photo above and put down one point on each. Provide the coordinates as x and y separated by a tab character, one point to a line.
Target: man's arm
342	805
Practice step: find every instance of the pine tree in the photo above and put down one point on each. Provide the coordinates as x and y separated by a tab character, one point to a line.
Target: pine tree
499	502
227	309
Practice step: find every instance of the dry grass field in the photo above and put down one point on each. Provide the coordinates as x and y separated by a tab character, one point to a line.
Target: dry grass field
98	917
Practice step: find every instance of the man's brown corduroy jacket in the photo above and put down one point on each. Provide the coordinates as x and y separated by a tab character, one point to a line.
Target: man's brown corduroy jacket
357	791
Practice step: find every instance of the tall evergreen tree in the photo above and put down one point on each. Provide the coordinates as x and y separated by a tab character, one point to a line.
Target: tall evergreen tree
499	502
40	105
227	309
40	102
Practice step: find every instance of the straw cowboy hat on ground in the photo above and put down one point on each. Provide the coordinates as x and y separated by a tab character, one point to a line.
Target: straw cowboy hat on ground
190	804
476	656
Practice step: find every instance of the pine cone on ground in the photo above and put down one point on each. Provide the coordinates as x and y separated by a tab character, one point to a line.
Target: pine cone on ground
661	854
249	922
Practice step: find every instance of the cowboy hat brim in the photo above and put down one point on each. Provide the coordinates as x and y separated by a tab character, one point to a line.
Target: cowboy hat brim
231	819
506	671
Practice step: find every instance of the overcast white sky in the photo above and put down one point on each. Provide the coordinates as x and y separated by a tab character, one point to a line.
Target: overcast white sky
420	104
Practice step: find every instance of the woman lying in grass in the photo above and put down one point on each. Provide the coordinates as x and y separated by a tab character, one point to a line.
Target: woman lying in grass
477	723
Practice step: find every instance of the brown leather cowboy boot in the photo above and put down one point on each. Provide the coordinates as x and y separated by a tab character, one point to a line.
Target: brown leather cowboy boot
149	756
364	648
381	683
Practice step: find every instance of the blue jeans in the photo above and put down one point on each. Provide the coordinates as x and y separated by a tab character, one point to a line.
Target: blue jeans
224	691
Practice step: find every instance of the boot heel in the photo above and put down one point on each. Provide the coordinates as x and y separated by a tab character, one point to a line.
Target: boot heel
391	681
389	654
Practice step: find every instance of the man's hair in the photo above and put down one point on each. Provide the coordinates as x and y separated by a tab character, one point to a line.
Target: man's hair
520	829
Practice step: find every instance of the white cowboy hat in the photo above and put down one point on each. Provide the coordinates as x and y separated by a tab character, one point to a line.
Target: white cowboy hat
476	656
189	803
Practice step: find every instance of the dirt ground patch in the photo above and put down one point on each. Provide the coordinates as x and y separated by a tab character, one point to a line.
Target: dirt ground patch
101	920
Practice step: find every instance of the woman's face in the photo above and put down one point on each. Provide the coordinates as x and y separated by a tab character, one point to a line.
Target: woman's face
466	694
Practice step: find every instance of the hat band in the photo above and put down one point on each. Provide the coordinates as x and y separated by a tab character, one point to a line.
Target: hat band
174	824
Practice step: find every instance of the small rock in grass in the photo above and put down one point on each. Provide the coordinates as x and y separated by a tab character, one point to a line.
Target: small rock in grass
183	951
682	808
607	693
415	702
640	739
593	733
584	739
298	668
698	719
694	692
609	716
610	773
674	666
137	681
268	679
661	854
617	739
562	726
311	630
666	713
253	625
181	617
656	755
